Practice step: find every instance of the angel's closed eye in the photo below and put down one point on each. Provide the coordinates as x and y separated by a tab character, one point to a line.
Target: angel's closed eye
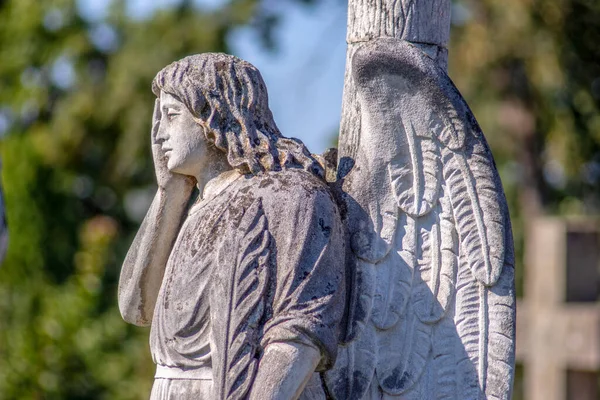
172	113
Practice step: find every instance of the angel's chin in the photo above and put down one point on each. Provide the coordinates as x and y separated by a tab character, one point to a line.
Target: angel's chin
173	165
177	167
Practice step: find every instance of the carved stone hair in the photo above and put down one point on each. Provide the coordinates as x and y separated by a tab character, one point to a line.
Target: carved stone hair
229	96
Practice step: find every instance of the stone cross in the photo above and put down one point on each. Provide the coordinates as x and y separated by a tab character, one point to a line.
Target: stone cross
558	330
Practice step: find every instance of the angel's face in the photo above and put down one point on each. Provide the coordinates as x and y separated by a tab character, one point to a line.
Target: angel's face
181	137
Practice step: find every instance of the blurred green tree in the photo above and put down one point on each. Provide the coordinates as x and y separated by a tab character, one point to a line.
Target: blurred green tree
530	70
75	108
75	113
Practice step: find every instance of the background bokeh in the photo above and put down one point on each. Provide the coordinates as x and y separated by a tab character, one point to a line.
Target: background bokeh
75	110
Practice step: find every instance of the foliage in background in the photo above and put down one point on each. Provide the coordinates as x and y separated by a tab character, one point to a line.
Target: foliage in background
530	70
75	111
75	108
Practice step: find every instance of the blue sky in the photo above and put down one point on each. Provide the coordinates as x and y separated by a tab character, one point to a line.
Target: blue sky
304	77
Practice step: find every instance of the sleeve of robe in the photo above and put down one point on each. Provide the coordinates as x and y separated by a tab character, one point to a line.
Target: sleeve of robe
309	299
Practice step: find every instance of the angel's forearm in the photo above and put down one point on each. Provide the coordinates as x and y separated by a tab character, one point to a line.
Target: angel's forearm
144	265
284	371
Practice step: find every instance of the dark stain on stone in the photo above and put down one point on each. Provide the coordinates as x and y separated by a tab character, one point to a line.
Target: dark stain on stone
395	382
325	229
265	182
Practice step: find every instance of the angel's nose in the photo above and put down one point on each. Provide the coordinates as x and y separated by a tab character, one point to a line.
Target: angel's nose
161	134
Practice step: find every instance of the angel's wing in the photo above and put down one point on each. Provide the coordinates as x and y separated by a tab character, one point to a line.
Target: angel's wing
432	315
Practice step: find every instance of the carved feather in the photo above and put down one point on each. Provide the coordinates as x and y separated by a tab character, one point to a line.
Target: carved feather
415	172
437	262
244	289
429	245
403	353
471	325
393	285
450	247
444	376
360	302
477	202
353	372
500	356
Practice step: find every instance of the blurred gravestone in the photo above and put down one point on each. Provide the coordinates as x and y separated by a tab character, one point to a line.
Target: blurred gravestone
558	330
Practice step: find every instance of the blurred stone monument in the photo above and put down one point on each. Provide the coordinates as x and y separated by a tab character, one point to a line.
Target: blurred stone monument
558	330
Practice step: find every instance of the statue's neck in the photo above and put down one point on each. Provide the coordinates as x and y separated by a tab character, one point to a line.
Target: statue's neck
216	185
213	166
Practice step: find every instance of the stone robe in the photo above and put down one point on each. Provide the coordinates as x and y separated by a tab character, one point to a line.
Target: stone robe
259	262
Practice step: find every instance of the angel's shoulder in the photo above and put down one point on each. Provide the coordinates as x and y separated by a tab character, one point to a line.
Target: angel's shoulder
292	189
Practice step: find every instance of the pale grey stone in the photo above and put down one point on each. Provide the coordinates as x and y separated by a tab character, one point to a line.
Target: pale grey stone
433	286
432	307
393	280
245	291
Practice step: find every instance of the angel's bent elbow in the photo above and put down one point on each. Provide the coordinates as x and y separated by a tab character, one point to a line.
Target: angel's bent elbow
132	313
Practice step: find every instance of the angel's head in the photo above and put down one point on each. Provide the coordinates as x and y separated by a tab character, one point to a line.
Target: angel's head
227	99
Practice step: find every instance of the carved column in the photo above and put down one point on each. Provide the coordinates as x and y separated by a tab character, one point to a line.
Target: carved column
426	23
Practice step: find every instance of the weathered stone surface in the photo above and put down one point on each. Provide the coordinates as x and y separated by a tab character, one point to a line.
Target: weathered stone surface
245	291
394	281
424	23
428	224
432	307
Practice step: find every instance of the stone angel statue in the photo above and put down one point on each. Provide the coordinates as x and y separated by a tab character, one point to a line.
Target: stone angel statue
245	289
393	282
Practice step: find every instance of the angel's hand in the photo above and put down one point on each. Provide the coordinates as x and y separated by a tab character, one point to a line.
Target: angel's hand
165	178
